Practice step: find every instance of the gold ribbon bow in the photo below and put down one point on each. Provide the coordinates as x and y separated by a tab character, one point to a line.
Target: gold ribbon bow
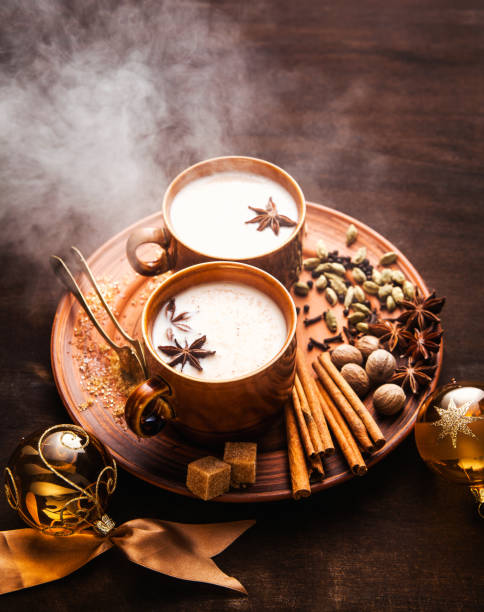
28	557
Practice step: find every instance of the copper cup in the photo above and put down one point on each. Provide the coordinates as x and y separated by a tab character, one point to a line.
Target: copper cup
283	262
213	411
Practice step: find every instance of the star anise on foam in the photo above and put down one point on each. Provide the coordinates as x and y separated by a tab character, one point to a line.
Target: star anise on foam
422	343
270	217
422	312
413	375
179	320
391	332
191	353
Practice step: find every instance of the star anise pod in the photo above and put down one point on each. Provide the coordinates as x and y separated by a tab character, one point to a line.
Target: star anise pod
270	217
390	331
413	375
422	312
191	353
422	343
178	320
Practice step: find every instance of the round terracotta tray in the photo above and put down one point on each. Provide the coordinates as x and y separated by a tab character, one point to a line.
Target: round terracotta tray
162	460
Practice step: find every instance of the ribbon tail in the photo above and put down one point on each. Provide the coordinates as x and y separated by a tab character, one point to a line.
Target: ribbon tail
28	557
181	551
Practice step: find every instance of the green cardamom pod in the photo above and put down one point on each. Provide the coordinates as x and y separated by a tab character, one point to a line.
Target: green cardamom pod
362	327
321	268
321	251
397	294
388	258
350	294
390	303
360	308
331	321
325	267
311	263
408	290
321	283
301	288
359	294
338	269
370	287
356	317
331	296
398	277
376	277
360	256
387	276
358	275
338	285
351	235
384	291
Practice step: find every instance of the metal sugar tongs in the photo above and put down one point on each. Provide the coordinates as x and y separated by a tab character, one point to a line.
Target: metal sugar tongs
131	358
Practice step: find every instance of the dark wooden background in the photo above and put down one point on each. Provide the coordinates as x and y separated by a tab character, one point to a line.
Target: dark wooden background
376	108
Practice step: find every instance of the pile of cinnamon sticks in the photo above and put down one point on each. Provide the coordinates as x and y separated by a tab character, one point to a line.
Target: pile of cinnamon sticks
318	406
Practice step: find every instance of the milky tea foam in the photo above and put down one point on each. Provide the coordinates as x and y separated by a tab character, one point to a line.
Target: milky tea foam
244	326
209	214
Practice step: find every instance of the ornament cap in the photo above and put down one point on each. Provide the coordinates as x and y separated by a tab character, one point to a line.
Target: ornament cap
105	525
478	493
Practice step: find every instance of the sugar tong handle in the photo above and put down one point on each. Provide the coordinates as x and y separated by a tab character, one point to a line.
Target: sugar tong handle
65	276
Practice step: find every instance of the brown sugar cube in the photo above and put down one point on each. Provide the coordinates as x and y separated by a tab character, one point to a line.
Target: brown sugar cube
208	477
241	456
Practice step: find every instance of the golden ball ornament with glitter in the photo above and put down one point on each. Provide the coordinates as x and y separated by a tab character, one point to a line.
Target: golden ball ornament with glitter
449	433
60	480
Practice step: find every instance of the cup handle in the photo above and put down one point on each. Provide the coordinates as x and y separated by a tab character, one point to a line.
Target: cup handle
148	409
148	235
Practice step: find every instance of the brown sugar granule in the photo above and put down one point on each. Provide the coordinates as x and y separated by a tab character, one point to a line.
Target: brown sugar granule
208	477
241	456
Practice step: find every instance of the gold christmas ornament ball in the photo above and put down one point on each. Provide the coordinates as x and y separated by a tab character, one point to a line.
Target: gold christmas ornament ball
449	434
60	480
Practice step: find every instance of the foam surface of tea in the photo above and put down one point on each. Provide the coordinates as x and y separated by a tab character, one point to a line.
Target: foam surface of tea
243	325
210	213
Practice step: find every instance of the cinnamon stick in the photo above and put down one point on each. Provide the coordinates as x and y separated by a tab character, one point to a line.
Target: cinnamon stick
359	407
308	417
297	461
307	383
316	470
353	420
302	425
341	432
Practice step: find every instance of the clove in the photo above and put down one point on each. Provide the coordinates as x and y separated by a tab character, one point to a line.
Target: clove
337	338
308	322
322	346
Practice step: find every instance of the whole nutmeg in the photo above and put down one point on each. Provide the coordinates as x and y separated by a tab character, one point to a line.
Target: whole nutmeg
380	366
367	344
346	353
389	399
356	377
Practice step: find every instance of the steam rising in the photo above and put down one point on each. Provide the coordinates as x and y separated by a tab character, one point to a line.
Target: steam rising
101	105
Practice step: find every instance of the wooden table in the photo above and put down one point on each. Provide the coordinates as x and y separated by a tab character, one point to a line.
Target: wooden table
376	109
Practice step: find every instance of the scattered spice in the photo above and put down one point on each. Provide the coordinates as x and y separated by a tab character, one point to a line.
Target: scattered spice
421	311
308	322
322	346
391	332
422	343
337	338
413	375
270	217
191	353
351	234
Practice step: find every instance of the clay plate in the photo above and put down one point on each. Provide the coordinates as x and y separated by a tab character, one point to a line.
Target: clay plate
162	460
